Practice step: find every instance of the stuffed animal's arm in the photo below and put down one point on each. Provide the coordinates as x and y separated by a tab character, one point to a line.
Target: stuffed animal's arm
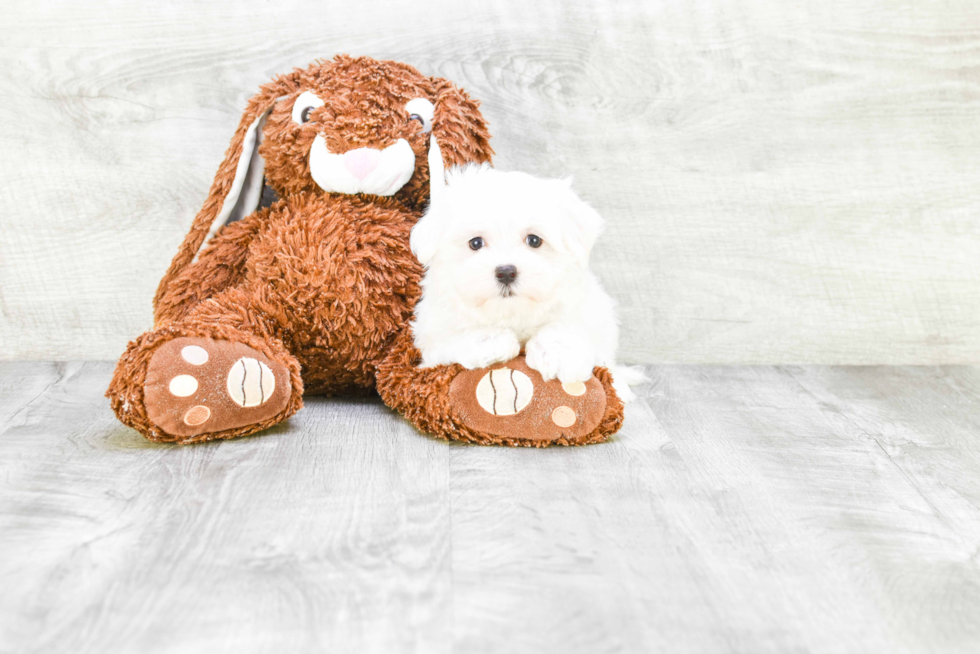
221	264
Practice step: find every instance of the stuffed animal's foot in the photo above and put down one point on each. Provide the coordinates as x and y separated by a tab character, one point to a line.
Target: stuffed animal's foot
512	402
197	385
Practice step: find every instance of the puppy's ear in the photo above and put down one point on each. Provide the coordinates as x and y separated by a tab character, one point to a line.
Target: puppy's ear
459	127
426	235
581	224
237	187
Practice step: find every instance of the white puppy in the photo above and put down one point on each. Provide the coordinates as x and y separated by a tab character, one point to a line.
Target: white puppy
506	257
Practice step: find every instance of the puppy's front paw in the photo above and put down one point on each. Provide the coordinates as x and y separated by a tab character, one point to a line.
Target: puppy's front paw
557	354
482	348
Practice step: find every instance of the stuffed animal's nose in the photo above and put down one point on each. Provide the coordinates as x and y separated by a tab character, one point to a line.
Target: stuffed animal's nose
506	275
362	161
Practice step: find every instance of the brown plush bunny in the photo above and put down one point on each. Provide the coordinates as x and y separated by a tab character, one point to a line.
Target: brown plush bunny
313	291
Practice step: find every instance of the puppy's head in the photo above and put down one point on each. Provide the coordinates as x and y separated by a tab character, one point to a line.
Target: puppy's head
505	238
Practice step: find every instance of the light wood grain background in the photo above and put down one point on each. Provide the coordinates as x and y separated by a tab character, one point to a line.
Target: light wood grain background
783	181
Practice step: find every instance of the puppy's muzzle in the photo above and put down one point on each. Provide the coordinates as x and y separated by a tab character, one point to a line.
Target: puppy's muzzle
506	275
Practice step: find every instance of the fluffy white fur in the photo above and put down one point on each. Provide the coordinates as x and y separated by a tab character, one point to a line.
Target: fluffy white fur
556	308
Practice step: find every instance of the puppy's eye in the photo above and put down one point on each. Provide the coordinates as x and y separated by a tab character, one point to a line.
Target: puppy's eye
304	106
421	110
476	243
533	240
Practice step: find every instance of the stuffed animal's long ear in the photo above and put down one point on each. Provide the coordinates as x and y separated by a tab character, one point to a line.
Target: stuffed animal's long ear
237	187
459	136
458	127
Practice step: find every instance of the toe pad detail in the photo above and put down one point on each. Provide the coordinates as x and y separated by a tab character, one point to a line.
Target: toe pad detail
250	382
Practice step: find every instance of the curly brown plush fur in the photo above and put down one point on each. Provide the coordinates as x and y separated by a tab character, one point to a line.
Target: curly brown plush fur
320	286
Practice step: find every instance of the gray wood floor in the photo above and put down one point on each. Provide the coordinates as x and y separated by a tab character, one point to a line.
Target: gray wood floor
741	509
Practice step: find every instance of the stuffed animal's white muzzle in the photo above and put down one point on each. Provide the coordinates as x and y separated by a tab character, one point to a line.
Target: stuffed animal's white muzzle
363	170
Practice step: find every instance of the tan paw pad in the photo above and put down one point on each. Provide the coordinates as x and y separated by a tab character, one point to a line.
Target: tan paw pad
194	355
504	392
183	386
197	415
563	416
250	382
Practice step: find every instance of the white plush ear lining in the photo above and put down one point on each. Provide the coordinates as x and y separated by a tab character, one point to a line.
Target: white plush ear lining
425	233
437	171
246	188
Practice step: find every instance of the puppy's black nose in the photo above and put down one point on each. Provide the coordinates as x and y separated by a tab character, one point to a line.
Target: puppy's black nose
506	275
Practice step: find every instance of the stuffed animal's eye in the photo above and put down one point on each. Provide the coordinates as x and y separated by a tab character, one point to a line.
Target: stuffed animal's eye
304	106
421	110
476	243
533	240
